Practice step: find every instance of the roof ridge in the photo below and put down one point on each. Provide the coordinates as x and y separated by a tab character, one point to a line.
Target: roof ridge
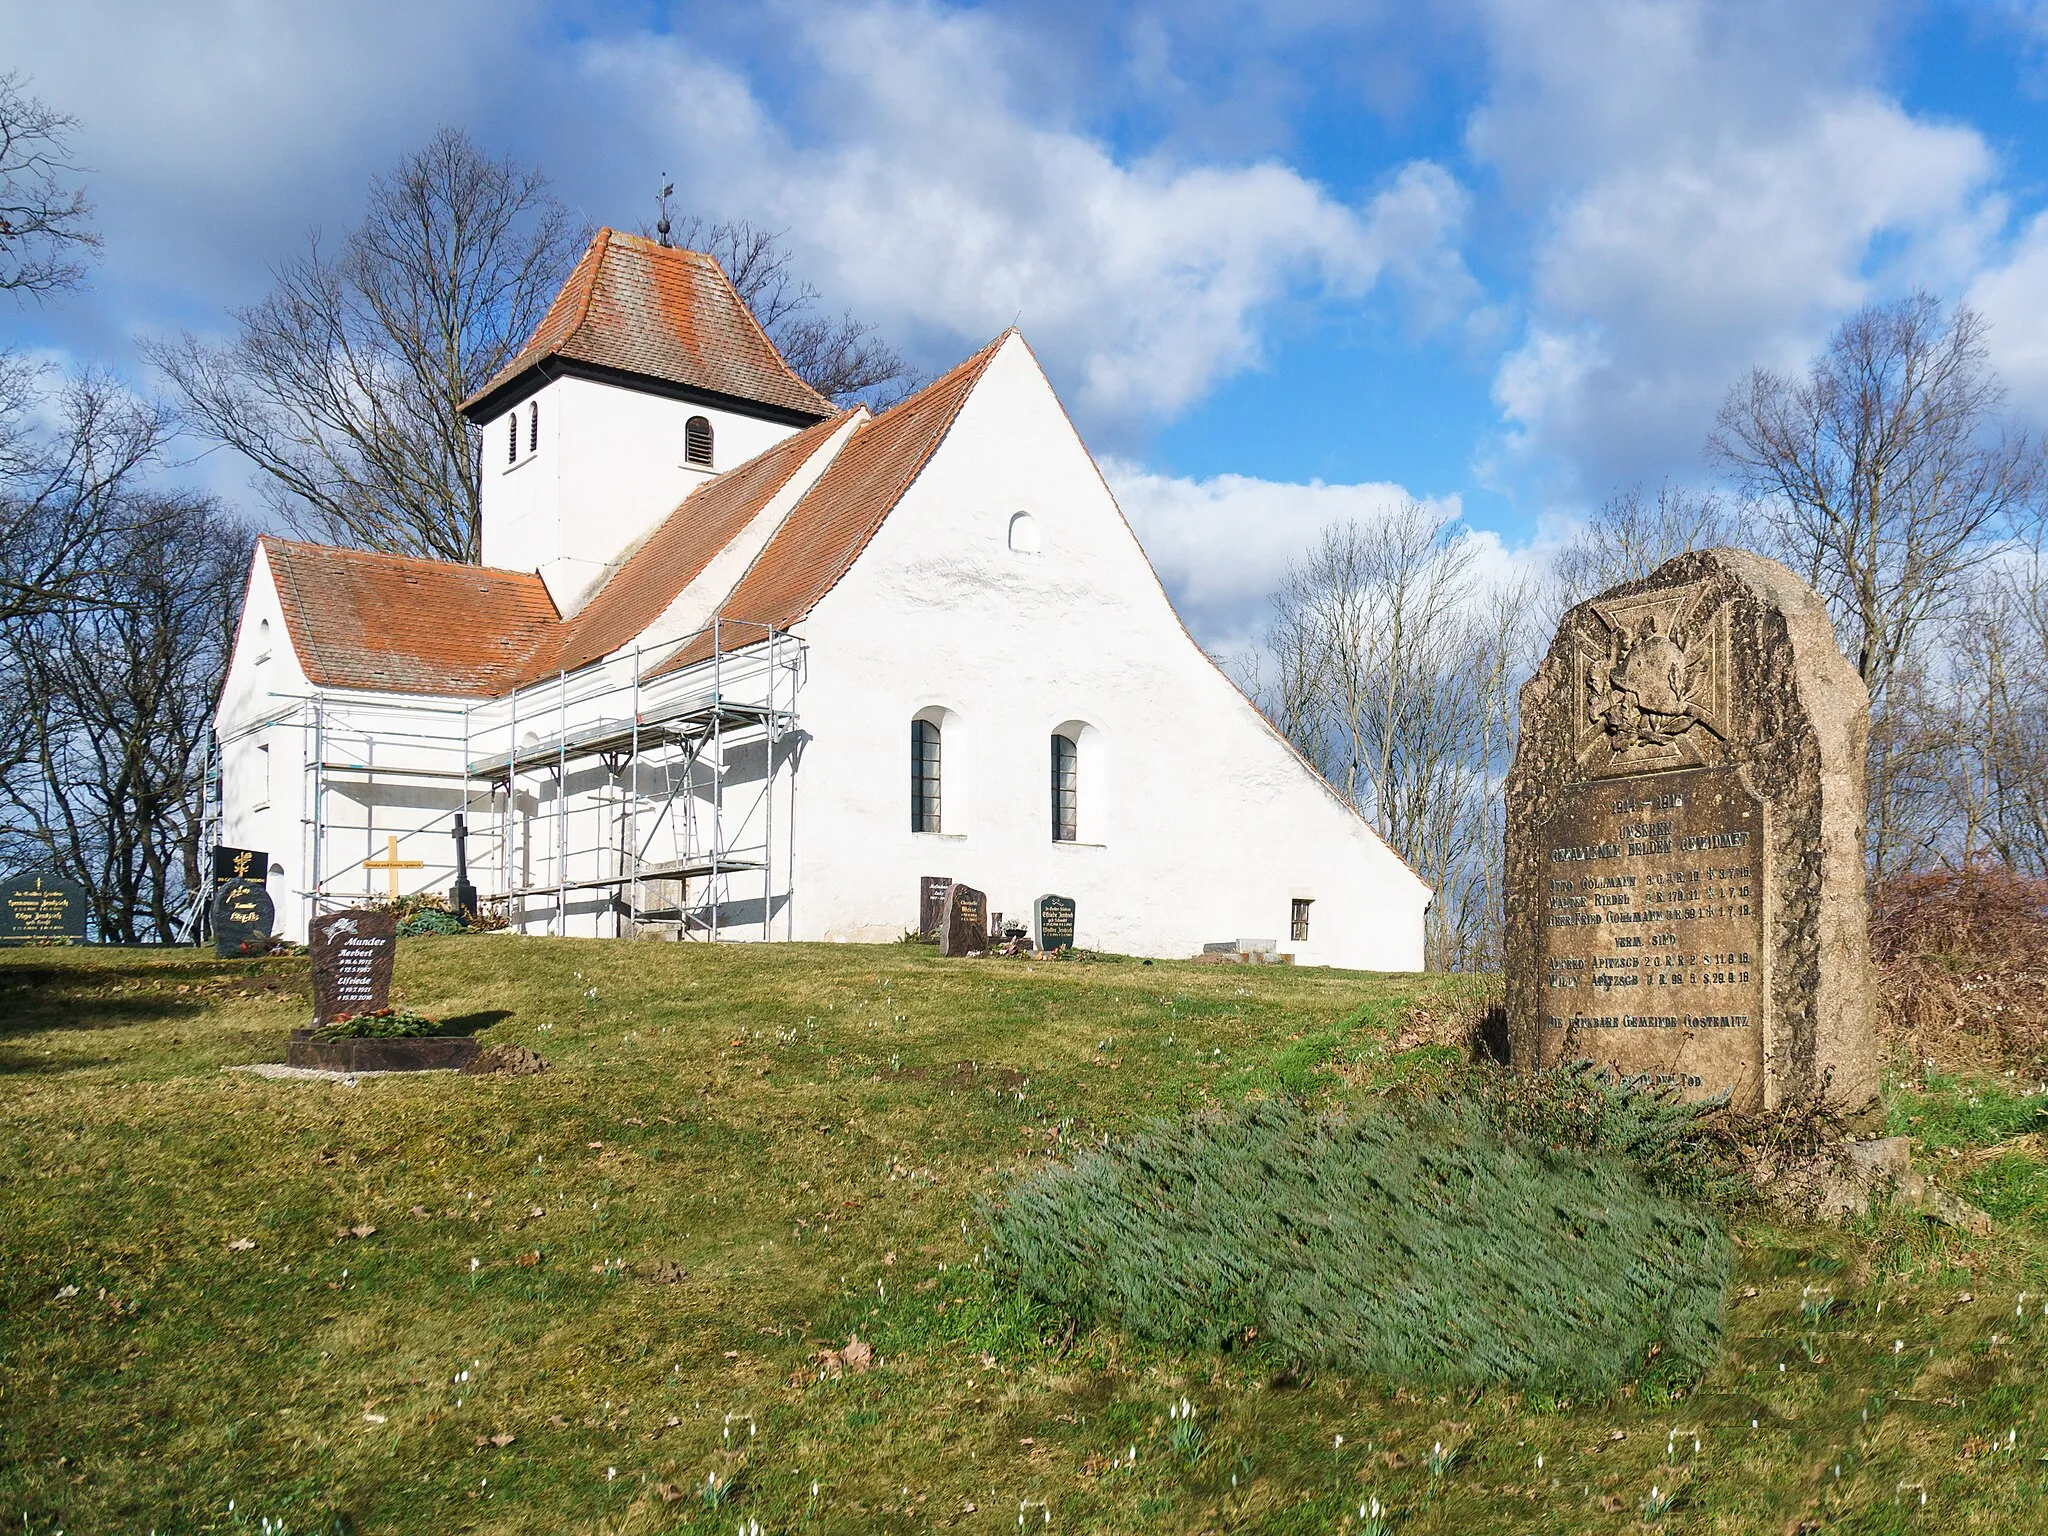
351	552
800	597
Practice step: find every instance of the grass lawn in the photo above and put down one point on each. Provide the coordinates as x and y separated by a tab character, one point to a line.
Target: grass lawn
563	1303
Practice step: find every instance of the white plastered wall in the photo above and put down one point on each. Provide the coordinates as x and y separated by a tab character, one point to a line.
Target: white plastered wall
1198	822
609	466
263	757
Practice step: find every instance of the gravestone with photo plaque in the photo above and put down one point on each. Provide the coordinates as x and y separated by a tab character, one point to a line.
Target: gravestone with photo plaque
1685	894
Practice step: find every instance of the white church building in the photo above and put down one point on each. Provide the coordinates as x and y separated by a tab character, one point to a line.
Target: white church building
738	665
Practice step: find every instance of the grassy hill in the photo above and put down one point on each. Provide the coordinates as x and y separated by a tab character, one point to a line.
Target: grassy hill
598	1299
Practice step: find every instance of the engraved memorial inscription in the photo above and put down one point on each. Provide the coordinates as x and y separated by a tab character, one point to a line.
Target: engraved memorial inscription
1653	929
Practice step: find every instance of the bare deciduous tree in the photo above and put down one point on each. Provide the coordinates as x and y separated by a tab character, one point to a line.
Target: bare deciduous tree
1883	470
1394	674
69	465
1629	537
44	232
342	386
117	690
842	359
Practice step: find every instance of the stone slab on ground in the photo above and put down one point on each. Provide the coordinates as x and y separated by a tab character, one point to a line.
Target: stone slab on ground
427	1053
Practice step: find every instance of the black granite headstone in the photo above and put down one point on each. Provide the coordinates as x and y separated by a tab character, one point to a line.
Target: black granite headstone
42	908
241	864
243	918
931	905
1055	922
353	953
965	931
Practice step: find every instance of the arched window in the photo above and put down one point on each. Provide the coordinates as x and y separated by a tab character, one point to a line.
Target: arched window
697	441
1023	534
533	427
924	776
512	438
1066	776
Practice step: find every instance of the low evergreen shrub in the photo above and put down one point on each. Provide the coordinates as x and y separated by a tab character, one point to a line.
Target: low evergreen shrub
1690	1150
1418	1243
382	1024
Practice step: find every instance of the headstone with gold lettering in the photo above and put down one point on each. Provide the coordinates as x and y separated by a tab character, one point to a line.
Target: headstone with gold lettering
42	908
965	930
1685	896
243	918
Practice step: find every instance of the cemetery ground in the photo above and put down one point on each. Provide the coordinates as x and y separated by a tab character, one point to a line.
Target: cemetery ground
602	1298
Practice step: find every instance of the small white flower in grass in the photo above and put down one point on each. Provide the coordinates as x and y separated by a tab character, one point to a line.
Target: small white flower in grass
1337	1444
475	1264
610	1473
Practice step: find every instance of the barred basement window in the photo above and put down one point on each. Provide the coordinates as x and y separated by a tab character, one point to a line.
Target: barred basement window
1300	928
697	441
924	776
533	427
512	439
1065	784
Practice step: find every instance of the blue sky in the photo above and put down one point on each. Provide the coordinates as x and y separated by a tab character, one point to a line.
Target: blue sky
1284	261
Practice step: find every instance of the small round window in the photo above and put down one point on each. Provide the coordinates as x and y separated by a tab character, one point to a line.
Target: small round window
1023	534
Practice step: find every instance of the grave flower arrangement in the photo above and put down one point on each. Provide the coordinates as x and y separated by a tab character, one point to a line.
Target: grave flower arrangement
381	1024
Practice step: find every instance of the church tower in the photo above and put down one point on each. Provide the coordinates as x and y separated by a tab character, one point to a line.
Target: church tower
647	376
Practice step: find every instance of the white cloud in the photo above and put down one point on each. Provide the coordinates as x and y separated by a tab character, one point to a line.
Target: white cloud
1222	545
1716	190
941	203
2013	297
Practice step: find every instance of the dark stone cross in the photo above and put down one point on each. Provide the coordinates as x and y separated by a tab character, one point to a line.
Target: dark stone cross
464	894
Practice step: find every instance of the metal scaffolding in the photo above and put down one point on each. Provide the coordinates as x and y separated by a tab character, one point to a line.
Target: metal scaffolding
679	837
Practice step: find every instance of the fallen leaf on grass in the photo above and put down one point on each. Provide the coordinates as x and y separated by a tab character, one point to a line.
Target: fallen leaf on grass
418	1213
501	1440
365	1230
556	1421
732	1354
856	1356
528	1260
668	1493
241	1245
374	1418
1614	1504
67	1293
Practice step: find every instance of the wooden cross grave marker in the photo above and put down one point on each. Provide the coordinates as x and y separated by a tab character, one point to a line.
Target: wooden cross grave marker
391	863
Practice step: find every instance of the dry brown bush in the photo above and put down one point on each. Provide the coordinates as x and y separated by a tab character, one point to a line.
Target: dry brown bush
1962	964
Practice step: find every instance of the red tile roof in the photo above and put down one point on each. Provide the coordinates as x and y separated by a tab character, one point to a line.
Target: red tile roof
360	619
827	530
402	625
676	553
660	313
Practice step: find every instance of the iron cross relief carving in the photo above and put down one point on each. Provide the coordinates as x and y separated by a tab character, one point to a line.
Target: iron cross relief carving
1653	674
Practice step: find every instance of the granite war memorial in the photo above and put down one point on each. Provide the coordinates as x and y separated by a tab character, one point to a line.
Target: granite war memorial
1685	873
